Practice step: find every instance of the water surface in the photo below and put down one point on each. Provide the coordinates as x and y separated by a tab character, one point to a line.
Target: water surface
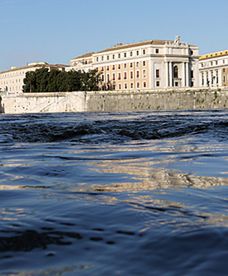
118	194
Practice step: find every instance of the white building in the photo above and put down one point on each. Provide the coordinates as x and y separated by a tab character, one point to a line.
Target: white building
213	69
145	65
12	81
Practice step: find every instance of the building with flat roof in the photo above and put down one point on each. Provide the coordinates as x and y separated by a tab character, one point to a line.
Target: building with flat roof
151	64
12	80
213	69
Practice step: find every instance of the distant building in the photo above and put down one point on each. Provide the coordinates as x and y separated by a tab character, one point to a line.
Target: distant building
213	69
11	81
151	64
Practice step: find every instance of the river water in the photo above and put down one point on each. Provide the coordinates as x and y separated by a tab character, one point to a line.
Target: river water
114	194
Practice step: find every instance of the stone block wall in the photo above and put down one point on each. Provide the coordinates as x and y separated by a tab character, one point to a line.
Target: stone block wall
185	99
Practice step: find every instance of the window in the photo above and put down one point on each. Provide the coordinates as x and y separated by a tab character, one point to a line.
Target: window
132	85
97	58
107	68
119	66
119	86
113	76
137	74
157	51
119	76
144	52
131	54
107	57
125	55
144	73
144	84
118	55
137	53
113	56
102	58
125	86
137	64
175	72
108	78
102	77
137	84
131	64
125	75
113	67
157	73
144	63
157	83
131	74
125	65
192	74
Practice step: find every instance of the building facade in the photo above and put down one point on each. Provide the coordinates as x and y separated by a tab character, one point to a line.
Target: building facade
213	69
145	65
12	81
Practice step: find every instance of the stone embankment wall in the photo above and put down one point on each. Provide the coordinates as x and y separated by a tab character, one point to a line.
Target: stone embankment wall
188	99
162	100
43	103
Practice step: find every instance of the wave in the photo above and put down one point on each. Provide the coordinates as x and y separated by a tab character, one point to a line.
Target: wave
96	131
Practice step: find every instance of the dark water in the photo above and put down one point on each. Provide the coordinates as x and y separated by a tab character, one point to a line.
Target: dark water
114	194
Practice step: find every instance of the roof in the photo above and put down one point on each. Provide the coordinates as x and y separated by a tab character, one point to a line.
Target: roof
86	55
121	46
215	54
32	65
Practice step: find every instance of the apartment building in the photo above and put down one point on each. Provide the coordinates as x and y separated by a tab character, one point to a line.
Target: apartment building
12	81
152	64
213	69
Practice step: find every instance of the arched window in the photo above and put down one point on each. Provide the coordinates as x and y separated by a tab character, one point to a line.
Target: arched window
175	71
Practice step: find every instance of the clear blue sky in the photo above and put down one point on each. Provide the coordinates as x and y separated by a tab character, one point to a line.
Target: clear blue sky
58	30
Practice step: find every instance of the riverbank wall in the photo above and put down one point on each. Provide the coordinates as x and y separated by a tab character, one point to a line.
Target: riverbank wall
110	101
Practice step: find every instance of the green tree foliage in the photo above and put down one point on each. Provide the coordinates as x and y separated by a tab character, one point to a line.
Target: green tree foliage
54	80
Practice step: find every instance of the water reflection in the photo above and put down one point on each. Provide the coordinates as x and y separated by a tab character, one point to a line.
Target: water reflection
144	176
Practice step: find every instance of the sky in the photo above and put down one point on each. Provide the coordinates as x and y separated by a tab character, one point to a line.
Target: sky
55	31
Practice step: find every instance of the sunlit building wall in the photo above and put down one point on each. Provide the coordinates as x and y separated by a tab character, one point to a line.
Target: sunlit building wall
153	64
12	81
213	69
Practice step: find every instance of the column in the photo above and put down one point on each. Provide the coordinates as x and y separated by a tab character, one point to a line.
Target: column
167	74
187	75
170	74
210	75
220	80
205	78
183	81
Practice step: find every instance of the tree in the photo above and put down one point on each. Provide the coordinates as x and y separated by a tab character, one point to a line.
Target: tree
30	82
54	80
